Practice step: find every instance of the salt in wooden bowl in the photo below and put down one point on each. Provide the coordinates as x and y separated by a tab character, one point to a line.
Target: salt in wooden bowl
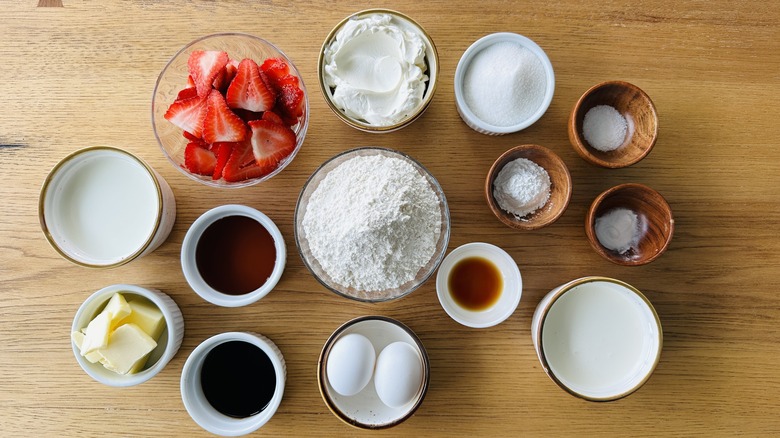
560	187
641	119
655	222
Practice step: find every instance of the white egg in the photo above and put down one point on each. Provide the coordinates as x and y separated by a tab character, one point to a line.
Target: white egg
351	364
399	374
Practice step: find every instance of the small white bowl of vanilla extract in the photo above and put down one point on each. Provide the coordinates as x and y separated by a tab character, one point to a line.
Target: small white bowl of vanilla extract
233	255
479	285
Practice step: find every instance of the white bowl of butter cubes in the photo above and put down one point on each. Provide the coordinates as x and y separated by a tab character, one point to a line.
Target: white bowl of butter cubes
123	335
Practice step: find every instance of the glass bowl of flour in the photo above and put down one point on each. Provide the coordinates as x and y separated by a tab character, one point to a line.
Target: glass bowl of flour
372	224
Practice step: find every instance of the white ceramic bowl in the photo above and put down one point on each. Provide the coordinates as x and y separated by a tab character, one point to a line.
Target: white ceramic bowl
468	115
190	267
198	406
365	410
510	295
167	345
611	333
81	202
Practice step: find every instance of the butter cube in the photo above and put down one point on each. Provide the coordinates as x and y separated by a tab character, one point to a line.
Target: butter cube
117	309
146	316
96	334
78	339
127	346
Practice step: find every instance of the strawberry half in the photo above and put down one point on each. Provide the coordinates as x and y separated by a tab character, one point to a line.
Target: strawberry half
275	69
241	165
198	160
290	103
204	66
188	114
248	91
271	143
221	124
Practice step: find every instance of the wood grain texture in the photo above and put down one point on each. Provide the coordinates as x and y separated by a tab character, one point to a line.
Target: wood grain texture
83	74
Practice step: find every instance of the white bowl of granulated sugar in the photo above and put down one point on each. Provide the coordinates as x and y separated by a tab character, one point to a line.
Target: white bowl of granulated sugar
372	224
504	83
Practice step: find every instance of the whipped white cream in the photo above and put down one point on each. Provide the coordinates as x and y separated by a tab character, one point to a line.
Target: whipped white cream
376	69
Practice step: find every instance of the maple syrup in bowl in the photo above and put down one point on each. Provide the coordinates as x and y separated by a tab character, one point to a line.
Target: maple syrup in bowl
233	255
479	285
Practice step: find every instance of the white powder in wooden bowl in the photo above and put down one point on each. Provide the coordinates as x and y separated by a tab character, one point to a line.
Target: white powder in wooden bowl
521	187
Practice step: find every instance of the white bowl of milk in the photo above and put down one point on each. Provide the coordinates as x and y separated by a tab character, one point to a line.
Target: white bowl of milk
597	338
103	207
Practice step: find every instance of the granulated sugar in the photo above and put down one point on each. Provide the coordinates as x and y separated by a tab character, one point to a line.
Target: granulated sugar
373	223
604	128
504	84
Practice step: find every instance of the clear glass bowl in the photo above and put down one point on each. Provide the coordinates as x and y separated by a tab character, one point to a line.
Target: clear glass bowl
174	77
314	266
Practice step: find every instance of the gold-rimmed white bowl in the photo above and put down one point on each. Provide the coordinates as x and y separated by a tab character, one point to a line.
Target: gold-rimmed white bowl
431	61
365	410
69	208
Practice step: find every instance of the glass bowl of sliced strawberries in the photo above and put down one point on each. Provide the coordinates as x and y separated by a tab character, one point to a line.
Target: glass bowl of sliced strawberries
230	110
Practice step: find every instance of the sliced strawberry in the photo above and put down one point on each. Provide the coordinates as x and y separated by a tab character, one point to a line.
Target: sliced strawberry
191	137
190	82
273	117
187	93
248	91
247	115
289	104
271	143
220	123
188	114
275	69
222	151
288	80
204	66
198	160
241	165
225	76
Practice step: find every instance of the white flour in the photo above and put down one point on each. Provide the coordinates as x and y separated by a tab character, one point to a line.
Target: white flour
372	223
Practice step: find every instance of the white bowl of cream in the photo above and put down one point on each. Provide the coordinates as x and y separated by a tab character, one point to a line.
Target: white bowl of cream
378	70
597	338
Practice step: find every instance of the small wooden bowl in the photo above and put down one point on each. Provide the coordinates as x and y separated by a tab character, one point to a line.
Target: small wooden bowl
655	221
560	187
635	105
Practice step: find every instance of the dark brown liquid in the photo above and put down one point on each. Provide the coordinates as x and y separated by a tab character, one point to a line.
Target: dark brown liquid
238	379
475	283
235	255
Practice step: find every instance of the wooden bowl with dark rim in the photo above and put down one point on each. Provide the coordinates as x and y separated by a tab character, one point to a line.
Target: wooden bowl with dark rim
640	114
655	221
560	187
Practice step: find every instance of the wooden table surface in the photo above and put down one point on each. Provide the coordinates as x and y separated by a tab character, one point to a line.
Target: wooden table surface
82	75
